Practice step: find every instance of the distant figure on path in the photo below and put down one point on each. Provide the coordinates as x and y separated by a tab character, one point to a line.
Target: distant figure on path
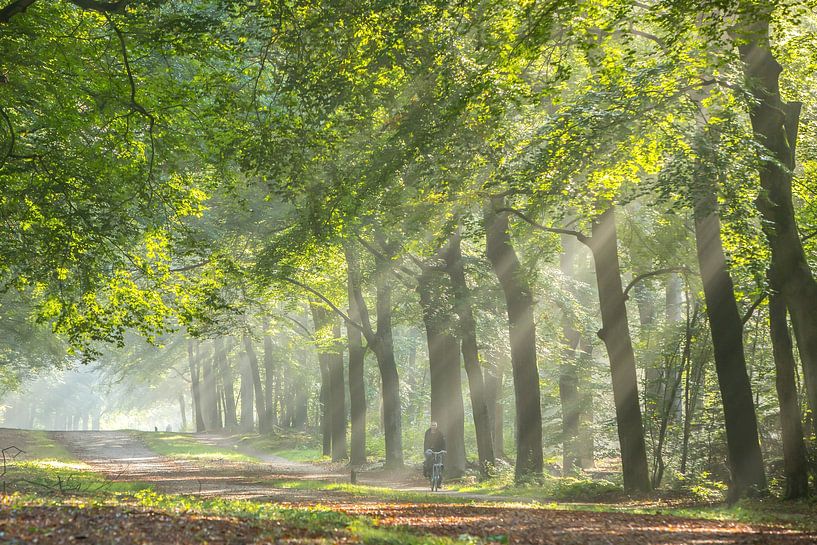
434	441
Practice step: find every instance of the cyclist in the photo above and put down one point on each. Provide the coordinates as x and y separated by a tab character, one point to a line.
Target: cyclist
434	441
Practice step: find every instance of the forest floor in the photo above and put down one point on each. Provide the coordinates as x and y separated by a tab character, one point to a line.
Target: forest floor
120	487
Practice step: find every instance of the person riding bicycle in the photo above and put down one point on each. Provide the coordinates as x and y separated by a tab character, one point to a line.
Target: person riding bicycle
434	441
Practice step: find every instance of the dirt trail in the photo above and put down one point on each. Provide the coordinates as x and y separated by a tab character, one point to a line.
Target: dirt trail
121	455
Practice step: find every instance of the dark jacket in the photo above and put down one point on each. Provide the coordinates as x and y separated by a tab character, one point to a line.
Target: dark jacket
434	440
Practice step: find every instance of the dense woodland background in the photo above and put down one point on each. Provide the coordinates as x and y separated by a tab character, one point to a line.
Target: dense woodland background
577	234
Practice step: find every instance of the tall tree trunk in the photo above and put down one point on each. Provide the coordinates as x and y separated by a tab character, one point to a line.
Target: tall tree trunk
444	366
269	378
324	410
794	449
182	411
227	382
390	380
357	388
209	397
519	303
775	124
568	373
745	458
195	386
470	352
333	389
246	394
337	399
258	387
615	333
381	343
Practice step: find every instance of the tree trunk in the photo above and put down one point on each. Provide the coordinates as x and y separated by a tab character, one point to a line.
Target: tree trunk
325	413
568	373
775	124
390	380
470	352
519	302
246	394
493	398
444	366
195	386
269	378
615	333
382	344
227	382
333	389
745	458
258	388
794	449
209	393
182	411
357	388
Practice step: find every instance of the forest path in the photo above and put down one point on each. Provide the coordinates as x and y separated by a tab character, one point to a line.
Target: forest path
123	456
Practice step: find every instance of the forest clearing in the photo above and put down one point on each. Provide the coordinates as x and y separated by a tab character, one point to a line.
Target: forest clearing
408	271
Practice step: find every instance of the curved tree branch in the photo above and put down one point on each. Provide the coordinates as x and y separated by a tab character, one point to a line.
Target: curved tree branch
656	272
323	298
581	237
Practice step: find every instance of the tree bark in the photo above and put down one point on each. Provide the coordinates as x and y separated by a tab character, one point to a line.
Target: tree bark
195	386
775	124
726	326
246	394
568	373
519	303
444	366
615	333
227	382
470	351
269	380
258	387
209	393
794	449
332	383
381	343
357	388
182	411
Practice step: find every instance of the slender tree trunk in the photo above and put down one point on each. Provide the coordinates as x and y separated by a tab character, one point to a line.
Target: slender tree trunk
333	394
269	376
519	302
615	333
337	399
227	382
775	124
246	394
182	411
444	366
390	380
745	458
193	362
209	396
258	387
357	388
568	373
382	344
324	411
470	351
493	398
794	448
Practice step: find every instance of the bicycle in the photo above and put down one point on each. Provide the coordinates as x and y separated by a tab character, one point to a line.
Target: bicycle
437	469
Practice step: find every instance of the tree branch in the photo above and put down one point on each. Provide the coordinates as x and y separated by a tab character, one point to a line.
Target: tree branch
581	237
657	272
13	9
751	310
323	298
